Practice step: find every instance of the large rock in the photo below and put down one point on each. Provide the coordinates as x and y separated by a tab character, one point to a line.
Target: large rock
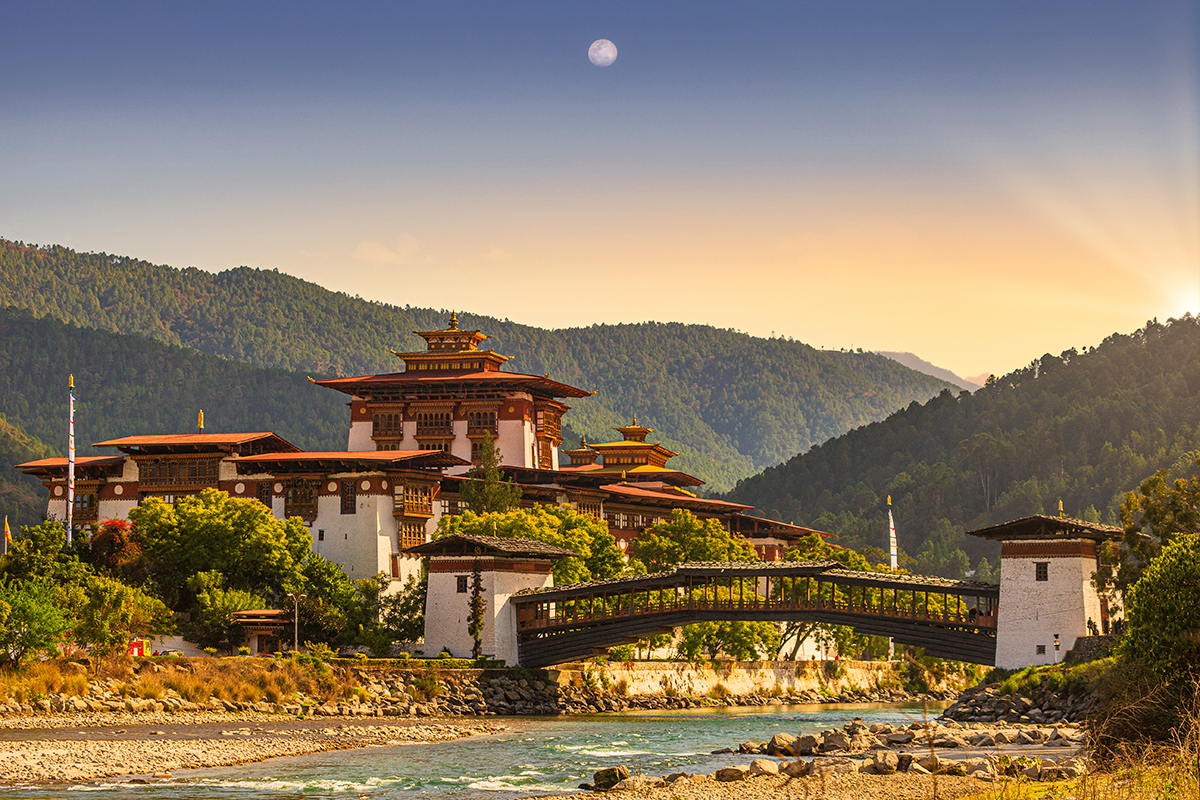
795	769
835	741
782	744
608	778
886	762
763	766
807	744
826	765
734	773
901	737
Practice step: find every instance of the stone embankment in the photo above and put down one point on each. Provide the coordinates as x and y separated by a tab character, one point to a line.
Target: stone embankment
884	749
397	692
987	703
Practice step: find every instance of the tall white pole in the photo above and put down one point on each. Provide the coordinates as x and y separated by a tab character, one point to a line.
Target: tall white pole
70	455
895	563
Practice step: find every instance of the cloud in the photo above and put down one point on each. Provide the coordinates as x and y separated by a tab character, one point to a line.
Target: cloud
496	254
381	255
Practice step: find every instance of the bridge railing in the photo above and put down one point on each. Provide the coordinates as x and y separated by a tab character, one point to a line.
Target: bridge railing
586	608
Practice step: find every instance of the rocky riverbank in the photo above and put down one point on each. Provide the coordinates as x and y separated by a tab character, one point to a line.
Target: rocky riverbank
886	750
154	757
1042	706
396	692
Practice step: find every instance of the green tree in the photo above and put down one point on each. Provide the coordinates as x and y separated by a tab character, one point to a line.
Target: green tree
114	612
842	639
32	619
1153	516
41	551
942	553
486	491
561	526
212	623
475	611
403	612
685	537
254	551
1163	613
744	641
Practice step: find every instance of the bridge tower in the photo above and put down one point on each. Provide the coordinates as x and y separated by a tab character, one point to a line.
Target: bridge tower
505	566
1046	594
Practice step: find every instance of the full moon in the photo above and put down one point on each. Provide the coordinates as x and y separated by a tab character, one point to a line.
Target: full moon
602	52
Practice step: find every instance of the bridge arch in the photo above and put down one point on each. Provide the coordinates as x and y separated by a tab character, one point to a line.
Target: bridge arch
949	619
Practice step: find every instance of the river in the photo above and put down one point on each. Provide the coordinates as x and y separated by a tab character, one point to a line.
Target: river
535	756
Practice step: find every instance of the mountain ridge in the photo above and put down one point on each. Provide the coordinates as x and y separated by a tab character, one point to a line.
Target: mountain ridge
729	402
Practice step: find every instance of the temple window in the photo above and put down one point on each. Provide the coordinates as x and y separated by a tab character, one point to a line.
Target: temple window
349	496
481	423
435	423
300	499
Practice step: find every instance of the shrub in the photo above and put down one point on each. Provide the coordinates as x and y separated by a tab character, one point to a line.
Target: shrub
243	651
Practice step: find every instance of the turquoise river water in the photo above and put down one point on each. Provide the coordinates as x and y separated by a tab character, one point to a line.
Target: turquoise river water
535	756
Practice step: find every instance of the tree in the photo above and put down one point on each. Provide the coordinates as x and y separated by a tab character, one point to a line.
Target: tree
212	623
684	538
841	638
942	552
486	491
744	641
561	526
253	551
1152	516
475	611
41	551
403	612
1163	613
114	613
32	619
117	550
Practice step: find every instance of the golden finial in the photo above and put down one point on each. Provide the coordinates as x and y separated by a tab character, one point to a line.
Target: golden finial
889	499
635	419
1060	510
453	321
200	421
71	381
583	441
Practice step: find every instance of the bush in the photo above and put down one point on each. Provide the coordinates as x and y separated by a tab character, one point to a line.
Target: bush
1163	613
243	651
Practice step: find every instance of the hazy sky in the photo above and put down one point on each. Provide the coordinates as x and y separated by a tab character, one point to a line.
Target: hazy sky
976	182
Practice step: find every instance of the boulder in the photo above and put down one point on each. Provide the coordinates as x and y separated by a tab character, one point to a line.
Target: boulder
835	741
807	744
795	769
916	769
901	737
763	766
886	762
782	744
608	778
930	762
735	773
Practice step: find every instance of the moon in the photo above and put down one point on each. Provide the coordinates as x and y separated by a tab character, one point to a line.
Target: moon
602	52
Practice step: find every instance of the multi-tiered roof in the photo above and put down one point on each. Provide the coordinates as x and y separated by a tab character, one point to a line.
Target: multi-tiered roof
451	366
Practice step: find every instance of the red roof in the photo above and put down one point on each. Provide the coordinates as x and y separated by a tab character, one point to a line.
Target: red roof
435	457
80	461
215	439
627	490
547	386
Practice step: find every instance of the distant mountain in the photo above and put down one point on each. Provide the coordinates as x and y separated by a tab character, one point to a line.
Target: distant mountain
732	404
921	365
22	498
1081	427
129	384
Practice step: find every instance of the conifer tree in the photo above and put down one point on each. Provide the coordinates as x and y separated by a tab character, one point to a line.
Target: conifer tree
487	492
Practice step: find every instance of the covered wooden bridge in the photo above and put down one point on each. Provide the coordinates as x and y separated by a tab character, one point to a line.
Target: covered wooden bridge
950	619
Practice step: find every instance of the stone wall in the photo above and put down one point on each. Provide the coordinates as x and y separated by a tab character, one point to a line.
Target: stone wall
675	678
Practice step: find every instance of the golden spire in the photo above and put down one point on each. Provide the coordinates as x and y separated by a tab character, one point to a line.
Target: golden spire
635	418
1060	510
583	441
453	321
71	381
200	421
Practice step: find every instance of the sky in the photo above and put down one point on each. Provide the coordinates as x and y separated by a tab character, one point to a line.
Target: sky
978	183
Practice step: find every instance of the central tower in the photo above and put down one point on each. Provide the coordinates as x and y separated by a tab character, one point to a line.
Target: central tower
451	396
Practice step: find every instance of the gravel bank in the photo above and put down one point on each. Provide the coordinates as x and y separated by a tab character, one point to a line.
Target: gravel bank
830	787
157	753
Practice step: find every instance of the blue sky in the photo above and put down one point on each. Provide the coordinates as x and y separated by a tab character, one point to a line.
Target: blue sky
900	176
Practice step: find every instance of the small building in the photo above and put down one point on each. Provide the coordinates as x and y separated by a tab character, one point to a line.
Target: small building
1046	594
505	566
265	629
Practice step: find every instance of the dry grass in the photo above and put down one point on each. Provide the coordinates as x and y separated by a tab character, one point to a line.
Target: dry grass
194	679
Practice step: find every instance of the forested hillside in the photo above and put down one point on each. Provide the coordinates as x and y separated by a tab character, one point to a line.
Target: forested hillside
1081	427
128	384
731	403
22	498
